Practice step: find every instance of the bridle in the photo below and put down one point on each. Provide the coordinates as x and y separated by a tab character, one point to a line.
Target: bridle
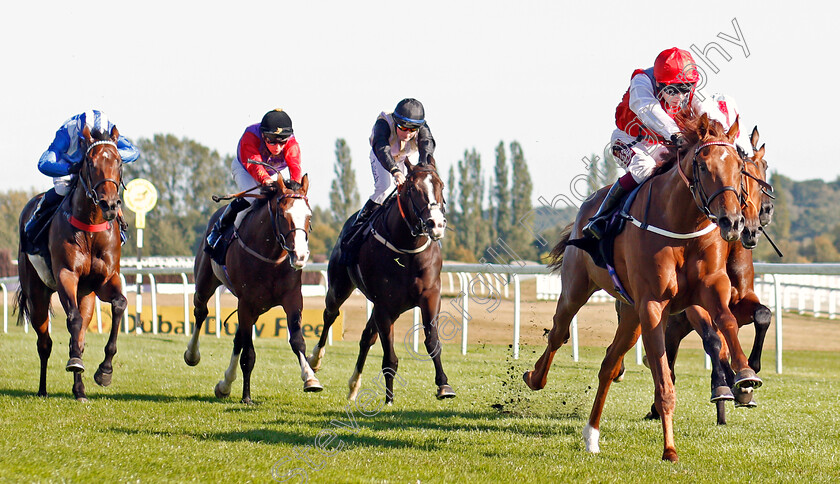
87	185
696	184
278	236
420	227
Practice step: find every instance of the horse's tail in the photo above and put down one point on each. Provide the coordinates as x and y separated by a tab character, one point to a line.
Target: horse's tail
555	259
21	306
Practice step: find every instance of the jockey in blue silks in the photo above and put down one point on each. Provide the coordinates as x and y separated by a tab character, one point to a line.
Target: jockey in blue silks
63	161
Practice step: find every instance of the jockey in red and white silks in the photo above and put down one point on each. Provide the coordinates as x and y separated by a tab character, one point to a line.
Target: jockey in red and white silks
644	120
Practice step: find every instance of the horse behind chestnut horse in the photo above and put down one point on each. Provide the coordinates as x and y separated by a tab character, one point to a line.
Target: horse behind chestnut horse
84	250
263	270
398	268
663	271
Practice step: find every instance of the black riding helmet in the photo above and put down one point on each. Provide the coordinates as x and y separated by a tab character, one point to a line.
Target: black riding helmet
277	124
410	113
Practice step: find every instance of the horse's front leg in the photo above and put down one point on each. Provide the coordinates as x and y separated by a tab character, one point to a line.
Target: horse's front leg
68	283
293	305
385	328
340	288
430	309
652	317
625	337
716	301
702	323
111	292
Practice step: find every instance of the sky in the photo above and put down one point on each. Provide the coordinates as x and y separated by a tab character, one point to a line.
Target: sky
547	74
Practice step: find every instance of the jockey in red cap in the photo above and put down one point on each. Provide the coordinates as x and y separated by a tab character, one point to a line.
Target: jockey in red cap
644	120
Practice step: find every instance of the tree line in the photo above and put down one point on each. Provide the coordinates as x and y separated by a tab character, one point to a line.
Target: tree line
489	209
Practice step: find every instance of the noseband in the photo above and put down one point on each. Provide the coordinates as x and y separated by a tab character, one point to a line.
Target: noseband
420	227
281	238
696	185
90	190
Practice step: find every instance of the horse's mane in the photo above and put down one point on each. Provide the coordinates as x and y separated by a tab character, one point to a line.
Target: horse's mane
292	185
689	123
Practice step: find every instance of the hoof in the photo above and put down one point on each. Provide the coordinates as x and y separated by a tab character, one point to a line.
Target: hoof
312	385
445	391
246	401
192	361
41	394
722	393
670	455
620	377
527	378
653	414
645	361
218	391
744	398
102	378
82	399
75	365
747	378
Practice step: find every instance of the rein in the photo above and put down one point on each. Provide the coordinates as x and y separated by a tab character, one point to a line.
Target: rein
279	237
90	191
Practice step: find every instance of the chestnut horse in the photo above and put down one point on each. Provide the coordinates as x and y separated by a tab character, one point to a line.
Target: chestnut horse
744	304
398	268
263	270
662	274
84	249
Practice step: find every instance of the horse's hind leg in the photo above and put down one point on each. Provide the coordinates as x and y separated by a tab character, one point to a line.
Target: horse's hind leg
205	285
39	304
625	337
111	292
339	289
677	328
576	291
369	335
245	343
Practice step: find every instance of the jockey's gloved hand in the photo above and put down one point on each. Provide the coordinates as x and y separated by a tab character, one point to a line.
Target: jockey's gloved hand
74	169
269	189
678	140
399	178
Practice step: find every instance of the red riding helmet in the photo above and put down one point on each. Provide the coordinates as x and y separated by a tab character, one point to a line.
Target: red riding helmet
675	66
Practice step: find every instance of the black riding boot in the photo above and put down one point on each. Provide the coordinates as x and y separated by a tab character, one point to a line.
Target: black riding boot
598	223
39	220
350	245
225	221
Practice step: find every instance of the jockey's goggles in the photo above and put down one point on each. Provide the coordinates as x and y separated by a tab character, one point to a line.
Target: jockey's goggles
678	88
408	128
273	139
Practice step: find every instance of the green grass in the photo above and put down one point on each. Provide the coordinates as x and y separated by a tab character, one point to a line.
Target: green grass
159	420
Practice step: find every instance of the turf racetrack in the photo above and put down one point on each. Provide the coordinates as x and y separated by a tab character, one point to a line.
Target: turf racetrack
159	420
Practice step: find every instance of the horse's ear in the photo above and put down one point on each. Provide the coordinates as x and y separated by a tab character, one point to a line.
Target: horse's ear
759	153
281	186
754	138
703	126
431	161
732	134
86	134
304	182
115	134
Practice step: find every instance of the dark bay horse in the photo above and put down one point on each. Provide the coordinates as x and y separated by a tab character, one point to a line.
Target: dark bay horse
84	248
744	304
263	270
398	269
662	275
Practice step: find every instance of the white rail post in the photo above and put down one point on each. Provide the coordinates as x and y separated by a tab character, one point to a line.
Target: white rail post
639	351
153	290
778	325
326	289
463	277
575	349
185	281
98	315
517	304
125	313
6	308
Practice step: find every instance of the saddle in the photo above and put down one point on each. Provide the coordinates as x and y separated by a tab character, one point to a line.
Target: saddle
603	251
353	239
220	252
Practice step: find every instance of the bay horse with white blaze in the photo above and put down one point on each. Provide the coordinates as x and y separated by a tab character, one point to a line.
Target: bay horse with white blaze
661	274
84	250
263	270
398	268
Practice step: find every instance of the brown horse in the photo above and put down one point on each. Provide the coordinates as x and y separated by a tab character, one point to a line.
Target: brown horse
662	274
263	270
398	268
84	249
744	304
